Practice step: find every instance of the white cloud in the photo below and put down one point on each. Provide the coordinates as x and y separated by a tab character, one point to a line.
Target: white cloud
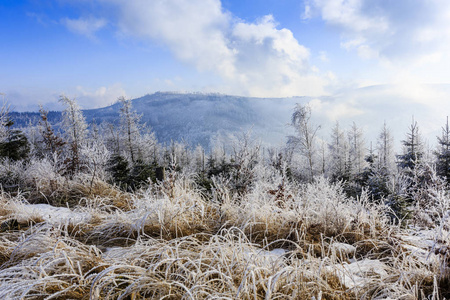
369	107
336	110
84	26
408	40
256	59
29	99
271	62
400	30
358	25
194	30
349	15
98	97
323	56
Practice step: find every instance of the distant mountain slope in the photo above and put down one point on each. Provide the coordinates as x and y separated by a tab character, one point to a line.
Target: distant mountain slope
200	118
197	118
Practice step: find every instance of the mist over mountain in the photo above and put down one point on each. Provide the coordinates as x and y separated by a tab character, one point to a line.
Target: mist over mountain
197	118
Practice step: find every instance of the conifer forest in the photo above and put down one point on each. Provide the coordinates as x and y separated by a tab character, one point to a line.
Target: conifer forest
106	211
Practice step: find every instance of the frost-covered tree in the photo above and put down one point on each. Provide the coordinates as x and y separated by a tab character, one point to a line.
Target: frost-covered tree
355	173
111	136
385	149
51	142
382	166
75	128
199	161
410	164
3	120
245	156
443	153
130	128
14	144
147	148
177	155
217	161
304	141
357	149
412	148
96	156
338	153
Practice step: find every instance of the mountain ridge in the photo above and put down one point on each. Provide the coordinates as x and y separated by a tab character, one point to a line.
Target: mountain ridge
195	118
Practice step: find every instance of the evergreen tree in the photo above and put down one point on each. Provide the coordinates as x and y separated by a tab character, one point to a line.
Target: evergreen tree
443	154
381	166
409	164
199	159
14	145
385	148
357	151
130	127
51	142
140	174
375	177
338	153
120	171
4	119
412	149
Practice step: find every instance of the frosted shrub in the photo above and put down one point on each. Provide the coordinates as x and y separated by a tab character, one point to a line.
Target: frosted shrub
325	206
426	194
261	212
11	173
42	174
276	209
167	210
96	156
326	209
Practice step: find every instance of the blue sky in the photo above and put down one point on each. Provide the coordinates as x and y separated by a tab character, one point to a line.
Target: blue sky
98	50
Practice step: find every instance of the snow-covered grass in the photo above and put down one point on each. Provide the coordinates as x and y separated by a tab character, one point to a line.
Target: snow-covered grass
277	241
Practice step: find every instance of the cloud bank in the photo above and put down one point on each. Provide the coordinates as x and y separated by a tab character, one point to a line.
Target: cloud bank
256	59
402	34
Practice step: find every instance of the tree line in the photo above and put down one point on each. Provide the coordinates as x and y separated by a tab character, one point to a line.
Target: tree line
129	156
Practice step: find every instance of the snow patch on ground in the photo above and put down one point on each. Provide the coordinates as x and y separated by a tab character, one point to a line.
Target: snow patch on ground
56	215
358	273
421	243
343	250
420	238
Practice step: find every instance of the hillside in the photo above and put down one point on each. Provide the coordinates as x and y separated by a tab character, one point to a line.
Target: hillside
200	118
196	118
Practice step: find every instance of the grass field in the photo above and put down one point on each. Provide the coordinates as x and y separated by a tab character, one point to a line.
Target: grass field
171	241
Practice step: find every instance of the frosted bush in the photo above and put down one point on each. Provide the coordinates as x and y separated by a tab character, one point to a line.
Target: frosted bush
168	209
11	173
280	210
96	156
42	174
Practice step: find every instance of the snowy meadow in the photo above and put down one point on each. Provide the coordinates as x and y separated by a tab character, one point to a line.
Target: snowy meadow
107	212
